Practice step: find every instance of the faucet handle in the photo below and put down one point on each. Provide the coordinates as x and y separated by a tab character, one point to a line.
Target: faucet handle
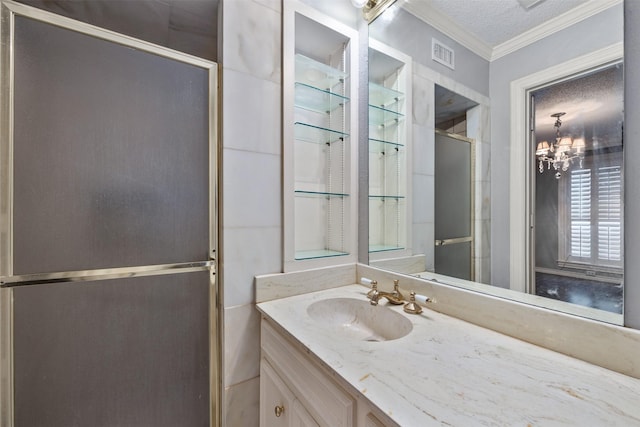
374	289
412	307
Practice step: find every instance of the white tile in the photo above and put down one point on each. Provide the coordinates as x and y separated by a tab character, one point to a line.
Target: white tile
423	196
423	238
483	270
483	200
241	344
406	265
272	4
478	126
255	125
242	404
423	149
252	39
249	252
430	257
483	161
483	238
275	286
423	101
251	189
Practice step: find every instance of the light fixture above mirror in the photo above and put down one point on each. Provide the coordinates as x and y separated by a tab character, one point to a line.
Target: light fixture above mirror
371	9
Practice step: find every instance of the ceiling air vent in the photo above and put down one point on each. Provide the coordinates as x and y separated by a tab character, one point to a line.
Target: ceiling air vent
442	54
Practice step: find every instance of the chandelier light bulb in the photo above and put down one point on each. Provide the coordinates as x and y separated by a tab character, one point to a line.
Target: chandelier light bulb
359	3
578	145
562	152
542	148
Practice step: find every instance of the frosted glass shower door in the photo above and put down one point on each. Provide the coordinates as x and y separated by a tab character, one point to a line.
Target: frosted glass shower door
108	250
454	166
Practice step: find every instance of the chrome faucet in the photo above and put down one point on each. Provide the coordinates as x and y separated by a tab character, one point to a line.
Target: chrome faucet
394	297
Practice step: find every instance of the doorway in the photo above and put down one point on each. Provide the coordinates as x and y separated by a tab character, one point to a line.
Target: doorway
454	187
578	183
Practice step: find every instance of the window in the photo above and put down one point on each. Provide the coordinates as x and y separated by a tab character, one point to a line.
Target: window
592	218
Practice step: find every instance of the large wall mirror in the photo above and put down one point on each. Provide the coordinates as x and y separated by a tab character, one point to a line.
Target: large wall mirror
496	147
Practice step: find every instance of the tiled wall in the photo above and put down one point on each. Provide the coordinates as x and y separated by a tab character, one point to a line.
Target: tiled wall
251	190
476	126
478	129
423	146
457	125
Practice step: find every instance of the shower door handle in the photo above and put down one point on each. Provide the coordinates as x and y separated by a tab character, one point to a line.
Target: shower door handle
444	242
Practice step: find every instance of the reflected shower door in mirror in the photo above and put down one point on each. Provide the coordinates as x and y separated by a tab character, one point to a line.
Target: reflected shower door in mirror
453	205
475	81
578	189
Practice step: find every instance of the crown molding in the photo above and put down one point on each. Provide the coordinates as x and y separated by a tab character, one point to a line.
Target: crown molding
553	25
444	24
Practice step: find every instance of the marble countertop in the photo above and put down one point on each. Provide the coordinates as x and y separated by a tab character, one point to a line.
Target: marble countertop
459	374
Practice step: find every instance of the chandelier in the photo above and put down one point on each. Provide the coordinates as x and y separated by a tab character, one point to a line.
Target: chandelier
561	153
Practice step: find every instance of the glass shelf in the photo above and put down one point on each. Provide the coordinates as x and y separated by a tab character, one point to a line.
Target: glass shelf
384	248
317	74
319	253
383	198
379	145
382	117
316	134
383	97
318	100
319	194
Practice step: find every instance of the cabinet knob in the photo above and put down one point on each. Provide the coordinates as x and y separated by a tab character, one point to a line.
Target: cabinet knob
279	410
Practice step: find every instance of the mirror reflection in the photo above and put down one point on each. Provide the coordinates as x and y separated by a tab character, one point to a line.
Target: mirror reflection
495	151
578	189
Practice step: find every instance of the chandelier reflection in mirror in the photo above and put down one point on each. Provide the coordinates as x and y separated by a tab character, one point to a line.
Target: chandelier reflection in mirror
561	153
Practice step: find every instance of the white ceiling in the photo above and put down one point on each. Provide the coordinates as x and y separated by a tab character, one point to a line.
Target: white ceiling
497	21
494	28
593	103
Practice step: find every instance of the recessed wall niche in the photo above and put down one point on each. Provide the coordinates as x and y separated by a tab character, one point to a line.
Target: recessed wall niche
320	136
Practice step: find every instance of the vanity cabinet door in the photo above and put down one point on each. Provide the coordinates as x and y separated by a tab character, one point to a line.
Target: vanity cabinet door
300	417
276	401
278	405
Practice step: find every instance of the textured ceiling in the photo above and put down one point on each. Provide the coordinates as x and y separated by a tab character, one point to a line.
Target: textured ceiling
593	103
496	21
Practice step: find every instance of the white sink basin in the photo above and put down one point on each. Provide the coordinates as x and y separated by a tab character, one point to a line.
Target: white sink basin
354	319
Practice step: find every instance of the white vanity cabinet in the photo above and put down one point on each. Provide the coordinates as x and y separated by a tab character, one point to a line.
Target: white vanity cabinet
296	390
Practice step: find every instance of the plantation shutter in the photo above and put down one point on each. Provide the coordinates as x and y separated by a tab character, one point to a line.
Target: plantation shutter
596	215
580	242
609	213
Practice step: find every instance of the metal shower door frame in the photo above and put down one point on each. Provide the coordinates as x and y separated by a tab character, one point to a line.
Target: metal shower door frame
8	11
472	187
